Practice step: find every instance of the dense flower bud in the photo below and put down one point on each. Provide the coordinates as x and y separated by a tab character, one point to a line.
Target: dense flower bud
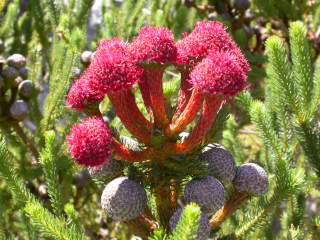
16	60
203	229
208	36
26	88
84	93
220	162
113	67
85	58
106	171
90	142
154	45
10	73
76	73
123	199
251	178
19	110
207	192
219	74
23	72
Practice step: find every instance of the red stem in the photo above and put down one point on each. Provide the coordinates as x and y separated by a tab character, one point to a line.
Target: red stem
184	95
123	153
188	114
130	115
157	100
211	106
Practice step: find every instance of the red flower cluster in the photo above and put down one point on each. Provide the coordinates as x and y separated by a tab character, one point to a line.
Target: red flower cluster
90	142
212	69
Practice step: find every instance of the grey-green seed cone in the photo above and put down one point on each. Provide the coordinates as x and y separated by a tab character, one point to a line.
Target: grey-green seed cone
203	229
123	199
19	110
16	60
207	192
220	162
107	171
251	178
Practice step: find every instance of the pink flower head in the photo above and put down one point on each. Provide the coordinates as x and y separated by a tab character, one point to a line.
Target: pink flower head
219	74
155	45
90	142
206	37
113	67
83	93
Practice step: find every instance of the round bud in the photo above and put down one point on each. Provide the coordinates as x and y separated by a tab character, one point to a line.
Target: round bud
123	199
24	72
81	178
241	5
220	162
106	171
76	73
203	229
251	178
207	192
17	61
85	58
26	88
10	73
19	110
43	189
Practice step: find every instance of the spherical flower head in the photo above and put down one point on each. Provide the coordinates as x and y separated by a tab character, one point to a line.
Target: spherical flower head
113	66
90	142
154	45
83	93
203	232
219	74
221	163
206	37
207	192
252	179
123	199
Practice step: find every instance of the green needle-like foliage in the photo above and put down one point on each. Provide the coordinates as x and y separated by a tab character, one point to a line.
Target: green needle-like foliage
48	162
188	224
49	225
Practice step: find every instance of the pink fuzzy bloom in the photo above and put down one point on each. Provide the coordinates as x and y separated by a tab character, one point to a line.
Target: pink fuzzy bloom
83	93
219	74
155	45
206	37
113	67
90	142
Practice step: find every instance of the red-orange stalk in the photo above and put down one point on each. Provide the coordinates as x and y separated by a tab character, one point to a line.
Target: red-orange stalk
187	115
211	106
157	100
130	115
121	152
184	95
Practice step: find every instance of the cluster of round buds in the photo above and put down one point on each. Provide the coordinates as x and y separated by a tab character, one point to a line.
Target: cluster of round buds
207	192
251	178
123	199
85	60
14	80
220	162
203	232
